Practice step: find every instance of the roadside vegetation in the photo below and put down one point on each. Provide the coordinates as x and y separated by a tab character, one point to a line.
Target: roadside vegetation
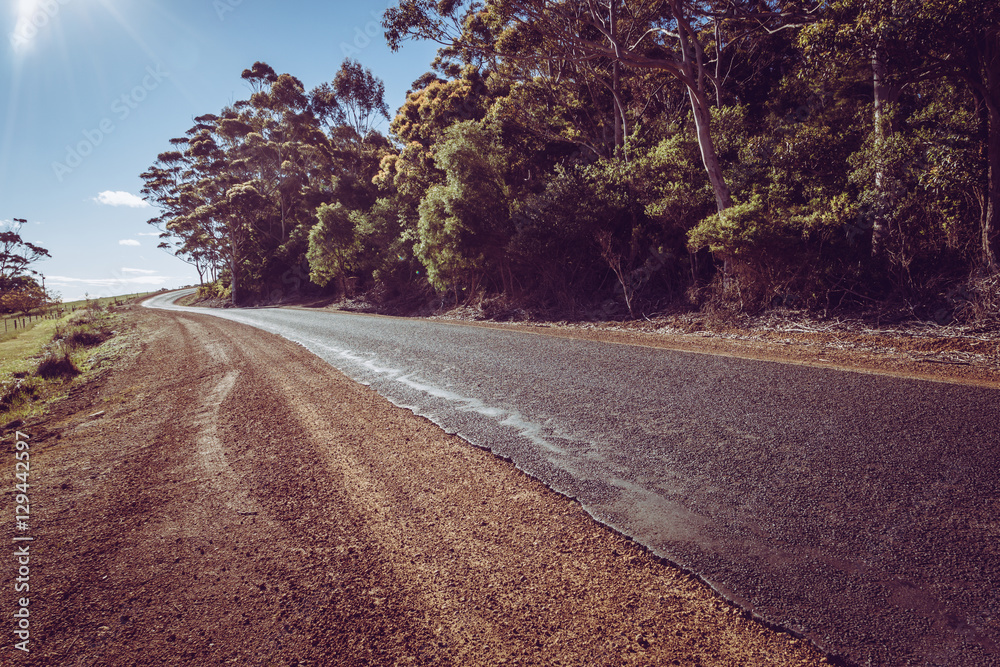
40	364
17	323
624	159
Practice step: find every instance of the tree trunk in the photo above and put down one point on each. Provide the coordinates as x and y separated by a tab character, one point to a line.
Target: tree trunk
709	158
234	272
991	80
693	73
616	85
989	235
883	132
619	111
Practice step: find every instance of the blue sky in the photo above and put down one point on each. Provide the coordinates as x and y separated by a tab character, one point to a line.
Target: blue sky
92	90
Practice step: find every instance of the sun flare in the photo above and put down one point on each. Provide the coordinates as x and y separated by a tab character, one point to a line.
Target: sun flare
34	12
33	17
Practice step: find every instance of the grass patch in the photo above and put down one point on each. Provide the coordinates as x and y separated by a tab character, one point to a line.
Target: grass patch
19	394
86	328
39	365
57	364
19	354
14	326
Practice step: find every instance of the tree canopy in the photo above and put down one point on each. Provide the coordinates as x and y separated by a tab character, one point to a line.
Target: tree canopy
617	157
19	288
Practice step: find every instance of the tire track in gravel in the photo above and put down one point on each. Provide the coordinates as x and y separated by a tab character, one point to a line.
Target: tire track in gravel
210	460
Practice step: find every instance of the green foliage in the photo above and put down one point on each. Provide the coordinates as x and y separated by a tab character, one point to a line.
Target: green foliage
428	112
464	222
673	187
741	232
218	289
788	255
386	245
332	244
541	162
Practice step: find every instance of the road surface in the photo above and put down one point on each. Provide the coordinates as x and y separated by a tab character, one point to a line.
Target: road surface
219	495
858	510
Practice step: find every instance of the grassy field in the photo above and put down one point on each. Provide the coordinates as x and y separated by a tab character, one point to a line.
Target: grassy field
81	327
13	326
104	301
17	352
19	357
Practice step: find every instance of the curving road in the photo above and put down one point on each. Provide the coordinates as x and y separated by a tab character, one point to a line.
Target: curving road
858	510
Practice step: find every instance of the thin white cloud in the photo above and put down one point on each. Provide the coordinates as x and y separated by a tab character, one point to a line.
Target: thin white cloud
143	271
120	198
131	242
66	281
148	234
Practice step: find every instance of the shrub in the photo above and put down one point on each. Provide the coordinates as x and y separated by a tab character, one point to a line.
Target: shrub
82	317
464	223
57	364
17	393
220	289
87	337
775	255
86	329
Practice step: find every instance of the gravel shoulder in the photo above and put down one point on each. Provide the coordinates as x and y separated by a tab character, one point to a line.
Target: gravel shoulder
241	502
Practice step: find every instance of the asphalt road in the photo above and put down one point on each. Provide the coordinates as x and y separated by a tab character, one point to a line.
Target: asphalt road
860	511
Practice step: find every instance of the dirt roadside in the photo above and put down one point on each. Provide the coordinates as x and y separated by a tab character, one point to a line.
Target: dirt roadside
241	502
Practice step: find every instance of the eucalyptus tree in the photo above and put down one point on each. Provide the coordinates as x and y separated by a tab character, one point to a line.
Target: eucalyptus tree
189	186
17	255
671	37
171	185
906	46
278	143
355	100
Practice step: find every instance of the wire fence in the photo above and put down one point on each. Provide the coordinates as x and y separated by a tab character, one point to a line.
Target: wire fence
18	323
